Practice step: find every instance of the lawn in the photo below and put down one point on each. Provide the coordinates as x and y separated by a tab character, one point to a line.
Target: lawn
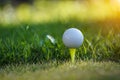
81	70
27	53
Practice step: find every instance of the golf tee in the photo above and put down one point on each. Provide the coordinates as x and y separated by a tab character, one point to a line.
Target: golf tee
72	54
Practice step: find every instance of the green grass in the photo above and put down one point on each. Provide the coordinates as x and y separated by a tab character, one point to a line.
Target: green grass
27	54
81	70
27	43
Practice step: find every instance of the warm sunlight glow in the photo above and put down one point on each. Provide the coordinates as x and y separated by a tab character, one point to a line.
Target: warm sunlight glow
118	1
49	11
115	2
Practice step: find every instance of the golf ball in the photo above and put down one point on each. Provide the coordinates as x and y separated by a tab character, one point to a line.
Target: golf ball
73	38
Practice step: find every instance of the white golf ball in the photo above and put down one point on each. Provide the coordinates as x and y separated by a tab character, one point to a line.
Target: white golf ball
73	38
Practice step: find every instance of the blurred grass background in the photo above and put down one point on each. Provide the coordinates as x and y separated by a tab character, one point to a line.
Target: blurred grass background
36	11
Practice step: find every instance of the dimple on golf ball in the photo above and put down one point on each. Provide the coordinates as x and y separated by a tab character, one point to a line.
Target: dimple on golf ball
73	38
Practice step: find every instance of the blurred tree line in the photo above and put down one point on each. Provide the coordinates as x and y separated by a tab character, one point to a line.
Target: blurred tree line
14	2
18	2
